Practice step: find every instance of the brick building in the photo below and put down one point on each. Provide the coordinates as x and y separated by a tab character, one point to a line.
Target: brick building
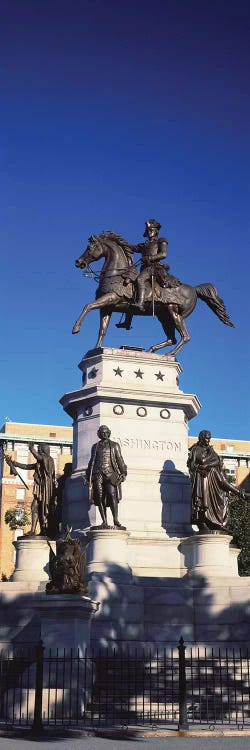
15	438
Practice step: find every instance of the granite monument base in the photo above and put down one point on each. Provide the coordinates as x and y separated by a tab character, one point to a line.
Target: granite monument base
202	599
65	621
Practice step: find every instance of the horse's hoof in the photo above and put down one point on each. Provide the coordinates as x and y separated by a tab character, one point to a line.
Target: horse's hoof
76	329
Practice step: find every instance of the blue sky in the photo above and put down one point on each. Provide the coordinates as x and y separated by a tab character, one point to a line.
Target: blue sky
111	113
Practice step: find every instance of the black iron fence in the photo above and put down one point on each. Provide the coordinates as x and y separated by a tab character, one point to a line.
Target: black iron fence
179	686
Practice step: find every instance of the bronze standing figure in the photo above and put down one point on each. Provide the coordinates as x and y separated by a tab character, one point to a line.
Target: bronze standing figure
43	487
152	291
105	473
210	487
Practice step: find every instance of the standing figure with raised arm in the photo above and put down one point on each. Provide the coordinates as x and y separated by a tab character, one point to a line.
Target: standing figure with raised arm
43	486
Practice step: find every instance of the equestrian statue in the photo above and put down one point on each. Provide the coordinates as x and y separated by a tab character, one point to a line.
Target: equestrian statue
150	291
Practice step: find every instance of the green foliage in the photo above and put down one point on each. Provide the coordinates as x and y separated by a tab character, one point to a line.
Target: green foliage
12	520
239	527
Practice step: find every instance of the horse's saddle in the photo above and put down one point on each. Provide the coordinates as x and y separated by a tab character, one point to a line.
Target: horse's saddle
161	275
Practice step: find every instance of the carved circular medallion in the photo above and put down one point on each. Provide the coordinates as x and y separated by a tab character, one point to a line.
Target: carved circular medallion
165	413
118	409
141	411
88	411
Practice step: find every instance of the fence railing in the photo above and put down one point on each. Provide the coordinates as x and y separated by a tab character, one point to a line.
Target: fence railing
168	687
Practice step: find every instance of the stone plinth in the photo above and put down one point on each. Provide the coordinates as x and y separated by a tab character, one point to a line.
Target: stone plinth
32	559
210	555
107	553
65	621
155	555
137	395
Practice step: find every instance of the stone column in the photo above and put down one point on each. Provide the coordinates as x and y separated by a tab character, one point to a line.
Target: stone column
32	559
209	555
107	553
120	618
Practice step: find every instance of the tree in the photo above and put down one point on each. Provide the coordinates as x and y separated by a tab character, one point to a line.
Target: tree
18	517
239	527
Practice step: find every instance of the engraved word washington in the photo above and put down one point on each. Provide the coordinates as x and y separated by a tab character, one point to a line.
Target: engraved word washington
156	445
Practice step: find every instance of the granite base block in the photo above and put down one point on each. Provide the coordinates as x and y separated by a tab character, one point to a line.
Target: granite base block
65	621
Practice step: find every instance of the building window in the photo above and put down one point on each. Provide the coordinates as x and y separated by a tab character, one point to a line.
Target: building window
22	452
20	494
231	475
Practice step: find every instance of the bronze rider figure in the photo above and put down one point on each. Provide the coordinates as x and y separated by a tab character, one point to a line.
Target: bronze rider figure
153	251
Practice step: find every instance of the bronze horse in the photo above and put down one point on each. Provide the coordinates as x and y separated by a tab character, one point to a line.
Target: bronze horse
116	293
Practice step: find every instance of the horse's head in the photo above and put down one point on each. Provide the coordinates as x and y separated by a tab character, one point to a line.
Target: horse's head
94	251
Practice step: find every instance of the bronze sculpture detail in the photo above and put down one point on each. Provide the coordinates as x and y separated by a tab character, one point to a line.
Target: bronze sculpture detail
13	470
153	251
105	473
153	291
210	487
67	568
43	487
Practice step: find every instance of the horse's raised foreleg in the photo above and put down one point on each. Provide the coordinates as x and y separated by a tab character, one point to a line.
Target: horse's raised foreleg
104	322
105	301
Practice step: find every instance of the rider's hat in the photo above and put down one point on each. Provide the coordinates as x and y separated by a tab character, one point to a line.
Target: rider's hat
152	223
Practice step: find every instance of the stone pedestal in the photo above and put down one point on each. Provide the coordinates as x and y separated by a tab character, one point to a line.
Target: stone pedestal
120	615
209	555
107	553
65	621
156	581
32	559
65	629
137	395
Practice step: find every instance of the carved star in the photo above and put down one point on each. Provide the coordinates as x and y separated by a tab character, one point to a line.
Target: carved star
159	375
139	373
118	371
93	372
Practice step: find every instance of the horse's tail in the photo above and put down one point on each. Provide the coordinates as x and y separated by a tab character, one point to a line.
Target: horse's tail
208	293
